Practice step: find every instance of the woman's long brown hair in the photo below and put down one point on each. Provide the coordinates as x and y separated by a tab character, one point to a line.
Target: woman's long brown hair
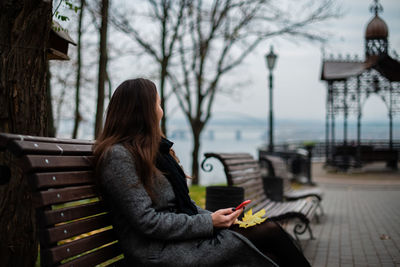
131	120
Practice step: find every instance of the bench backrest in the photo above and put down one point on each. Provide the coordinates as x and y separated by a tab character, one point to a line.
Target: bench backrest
73	225
242	170
277	168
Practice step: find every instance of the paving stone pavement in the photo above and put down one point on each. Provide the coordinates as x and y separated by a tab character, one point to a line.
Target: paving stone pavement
361	227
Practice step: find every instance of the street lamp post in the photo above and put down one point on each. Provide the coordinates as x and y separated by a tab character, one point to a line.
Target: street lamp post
271	60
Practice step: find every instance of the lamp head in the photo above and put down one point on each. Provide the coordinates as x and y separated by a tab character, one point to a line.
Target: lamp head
271	59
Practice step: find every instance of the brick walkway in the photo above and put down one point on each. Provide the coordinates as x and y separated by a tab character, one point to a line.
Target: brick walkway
361	226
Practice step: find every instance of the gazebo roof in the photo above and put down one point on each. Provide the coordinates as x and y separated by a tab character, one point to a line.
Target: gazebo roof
376	28
341	70
389	68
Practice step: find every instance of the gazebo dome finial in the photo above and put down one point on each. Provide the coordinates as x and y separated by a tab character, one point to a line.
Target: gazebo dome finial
376	7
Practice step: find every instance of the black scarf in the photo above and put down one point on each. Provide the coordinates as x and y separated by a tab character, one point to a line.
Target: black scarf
175	175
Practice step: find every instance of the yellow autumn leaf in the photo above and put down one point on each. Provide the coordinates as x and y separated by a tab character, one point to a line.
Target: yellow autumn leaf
250	219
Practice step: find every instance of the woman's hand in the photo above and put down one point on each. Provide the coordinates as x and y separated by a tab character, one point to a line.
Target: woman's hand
224	218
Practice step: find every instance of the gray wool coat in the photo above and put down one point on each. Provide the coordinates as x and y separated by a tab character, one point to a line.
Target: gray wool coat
151	233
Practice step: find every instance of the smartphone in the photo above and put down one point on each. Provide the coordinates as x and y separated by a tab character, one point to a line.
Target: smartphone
244	203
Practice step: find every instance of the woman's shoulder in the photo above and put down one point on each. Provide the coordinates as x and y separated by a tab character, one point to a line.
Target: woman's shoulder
117	159
118	152
118	148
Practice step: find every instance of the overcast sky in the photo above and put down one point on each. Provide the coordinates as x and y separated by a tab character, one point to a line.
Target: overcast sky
299	93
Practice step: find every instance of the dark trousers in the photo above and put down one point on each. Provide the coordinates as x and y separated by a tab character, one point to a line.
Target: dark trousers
275	242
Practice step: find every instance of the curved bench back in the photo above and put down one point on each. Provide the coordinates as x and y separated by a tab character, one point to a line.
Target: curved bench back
73	225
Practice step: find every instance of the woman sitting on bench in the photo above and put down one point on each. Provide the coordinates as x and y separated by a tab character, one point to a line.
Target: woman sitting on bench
156	221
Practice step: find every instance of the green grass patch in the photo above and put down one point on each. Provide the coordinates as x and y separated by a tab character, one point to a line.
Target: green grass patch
198	194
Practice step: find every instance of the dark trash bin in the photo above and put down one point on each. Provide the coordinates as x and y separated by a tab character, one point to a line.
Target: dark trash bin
273	187
297	165
222	197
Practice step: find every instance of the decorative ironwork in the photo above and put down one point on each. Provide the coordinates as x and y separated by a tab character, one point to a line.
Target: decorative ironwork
300	228
207	167
376	7
375	47
348	92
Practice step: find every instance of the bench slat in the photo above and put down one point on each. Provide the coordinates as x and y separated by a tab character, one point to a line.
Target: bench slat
57	196
224	156
254	192
279	166
307	208
26	147
50	217
60	179
76	247
241	161
295	194
61	163
242	180
238	175
6	138
53	234
265	204
95	257
287	207
243	167
256	197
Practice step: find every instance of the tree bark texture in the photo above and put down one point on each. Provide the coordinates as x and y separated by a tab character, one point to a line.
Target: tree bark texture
197	128
102	67
24	31
163	77
51	130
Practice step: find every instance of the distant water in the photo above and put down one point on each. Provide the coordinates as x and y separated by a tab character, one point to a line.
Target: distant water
244	136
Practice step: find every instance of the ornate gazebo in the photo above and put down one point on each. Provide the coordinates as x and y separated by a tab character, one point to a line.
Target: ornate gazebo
349	84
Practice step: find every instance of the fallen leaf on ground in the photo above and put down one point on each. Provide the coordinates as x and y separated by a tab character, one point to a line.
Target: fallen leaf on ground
384	237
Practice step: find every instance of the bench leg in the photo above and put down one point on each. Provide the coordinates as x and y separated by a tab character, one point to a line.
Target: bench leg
317	219
319	214
300	229
320	209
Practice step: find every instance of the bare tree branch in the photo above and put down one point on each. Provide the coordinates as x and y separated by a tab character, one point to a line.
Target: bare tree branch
219	35
168	16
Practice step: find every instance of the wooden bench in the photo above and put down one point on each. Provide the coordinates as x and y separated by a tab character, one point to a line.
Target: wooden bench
73	225
275	167
345	156
242	170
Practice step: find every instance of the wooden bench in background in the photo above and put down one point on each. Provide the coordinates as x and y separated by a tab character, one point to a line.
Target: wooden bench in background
275	167
242	170
73	225
346	156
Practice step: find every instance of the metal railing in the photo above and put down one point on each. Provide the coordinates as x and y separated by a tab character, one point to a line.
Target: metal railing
319	148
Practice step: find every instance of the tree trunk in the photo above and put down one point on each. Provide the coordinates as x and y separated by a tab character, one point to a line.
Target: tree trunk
196	131
24	31
162	95
77	116
51	129
102	67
